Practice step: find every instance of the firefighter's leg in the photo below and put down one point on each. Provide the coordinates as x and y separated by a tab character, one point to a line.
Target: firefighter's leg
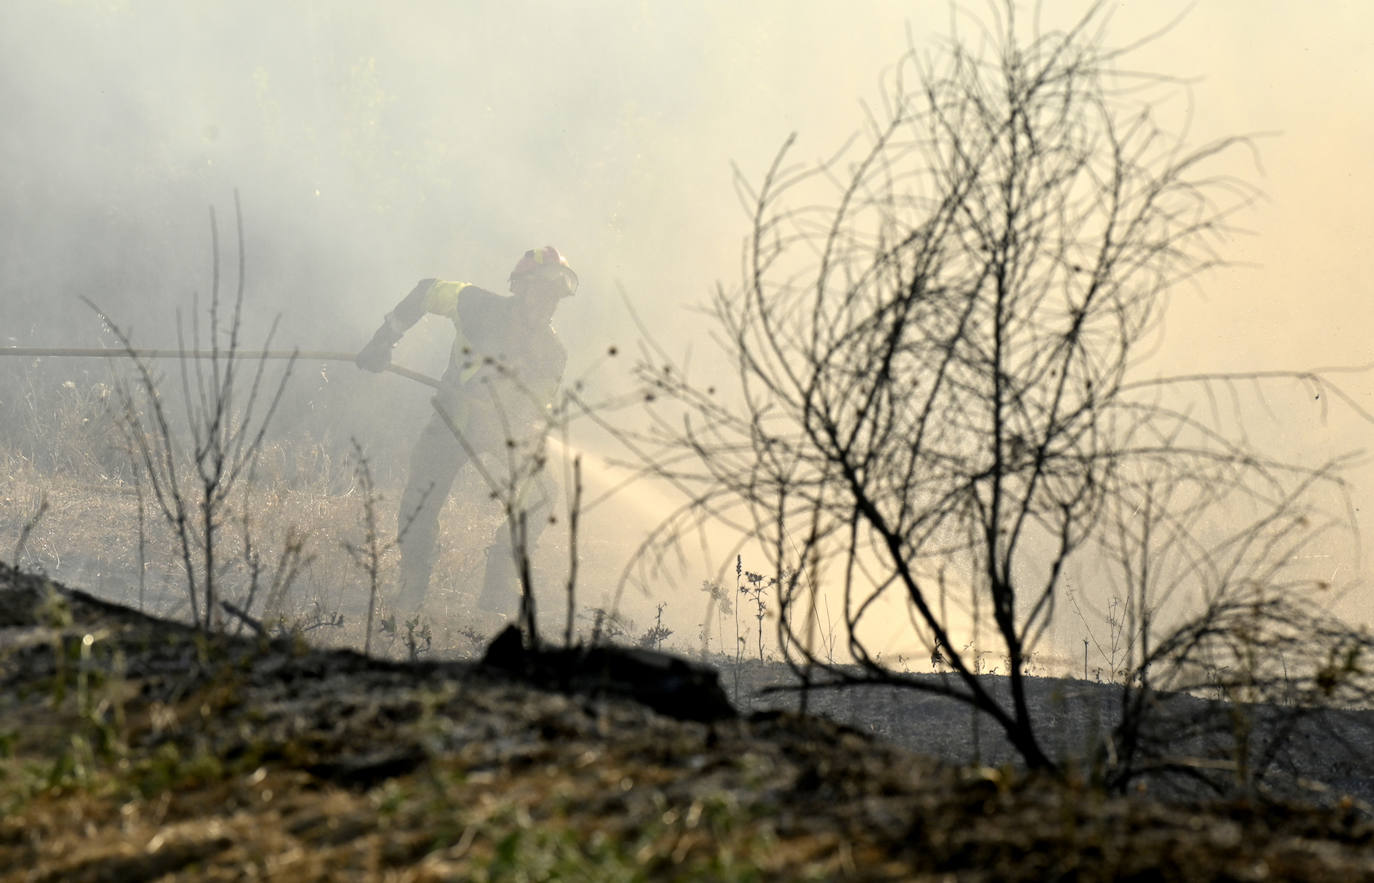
433	465
501	583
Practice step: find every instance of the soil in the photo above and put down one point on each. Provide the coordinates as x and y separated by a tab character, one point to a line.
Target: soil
133	748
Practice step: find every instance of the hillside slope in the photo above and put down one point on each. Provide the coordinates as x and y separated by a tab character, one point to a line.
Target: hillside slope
137	749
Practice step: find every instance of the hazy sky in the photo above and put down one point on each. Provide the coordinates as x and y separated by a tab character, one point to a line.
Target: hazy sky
376	144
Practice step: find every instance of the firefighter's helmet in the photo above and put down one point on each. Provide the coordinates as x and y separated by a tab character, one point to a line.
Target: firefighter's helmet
545	263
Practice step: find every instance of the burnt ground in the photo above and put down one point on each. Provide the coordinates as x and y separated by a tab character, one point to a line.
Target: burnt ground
138	749
1310	755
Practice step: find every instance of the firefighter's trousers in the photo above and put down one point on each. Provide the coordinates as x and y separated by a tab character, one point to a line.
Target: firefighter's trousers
435	462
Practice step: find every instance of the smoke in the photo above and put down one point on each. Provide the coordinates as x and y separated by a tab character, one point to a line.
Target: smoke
376	144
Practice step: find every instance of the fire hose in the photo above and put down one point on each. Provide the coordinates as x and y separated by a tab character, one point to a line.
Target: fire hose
117	353
139	353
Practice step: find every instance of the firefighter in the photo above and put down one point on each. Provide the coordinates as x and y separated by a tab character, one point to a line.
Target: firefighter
502	375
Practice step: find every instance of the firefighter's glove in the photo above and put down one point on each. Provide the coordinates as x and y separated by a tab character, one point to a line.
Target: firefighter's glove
376	356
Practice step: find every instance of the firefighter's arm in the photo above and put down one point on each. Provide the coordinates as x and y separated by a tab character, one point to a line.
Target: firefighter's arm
377	354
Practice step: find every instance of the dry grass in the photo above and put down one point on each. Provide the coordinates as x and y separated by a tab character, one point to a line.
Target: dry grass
88	530
81	524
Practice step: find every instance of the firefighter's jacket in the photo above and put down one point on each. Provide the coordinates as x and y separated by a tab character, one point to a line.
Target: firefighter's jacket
503	372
